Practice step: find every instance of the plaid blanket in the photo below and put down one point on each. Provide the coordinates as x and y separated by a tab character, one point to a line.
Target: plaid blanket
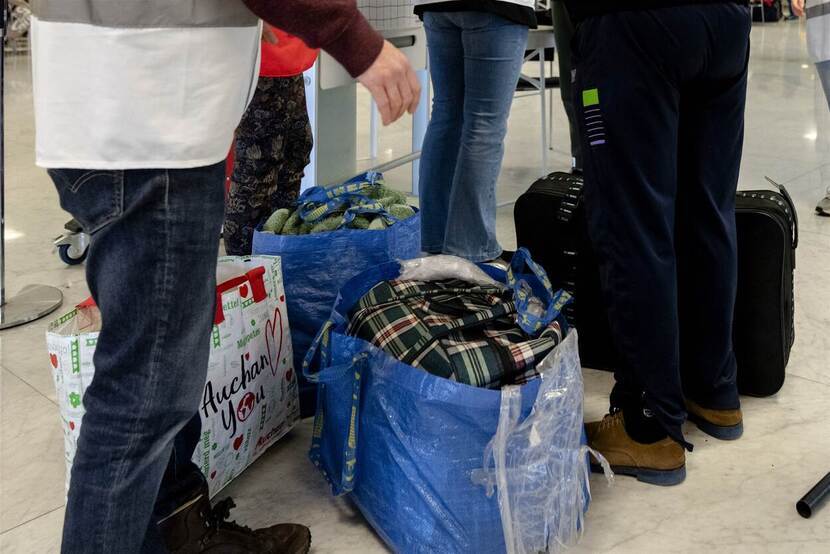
454	330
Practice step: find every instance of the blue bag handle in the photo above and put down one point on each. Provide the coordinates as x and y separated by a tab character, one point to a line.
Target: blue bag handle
319	344
368	208
349	464
318	202
355	185
530	322
312	212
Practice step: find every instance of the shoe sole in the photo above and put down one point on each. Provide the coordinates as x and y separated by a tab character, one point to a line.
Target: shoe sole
659	477
720	432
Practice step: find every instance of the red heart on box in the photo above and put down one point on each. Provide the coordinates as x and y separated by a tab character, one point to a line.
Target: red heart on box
72	425
54	359
243	291
274	349
282	298
289	374
237	443
247	355
213	474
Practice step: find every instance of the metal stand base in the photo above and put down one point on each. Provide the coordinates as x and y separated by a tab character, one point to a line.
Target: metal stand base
33	302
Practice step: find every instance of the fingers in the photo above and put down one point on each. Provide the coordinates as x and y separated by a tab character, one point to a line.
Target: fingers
382	101
415	88
396	105
393	84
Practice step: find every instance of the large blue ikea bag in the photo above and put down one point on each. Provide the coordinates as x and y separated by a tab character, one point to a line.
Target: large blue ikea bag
409	447
315	267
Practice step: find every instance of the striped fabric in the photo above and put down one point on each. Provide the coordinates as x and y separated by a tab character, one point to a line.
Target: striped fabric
453	330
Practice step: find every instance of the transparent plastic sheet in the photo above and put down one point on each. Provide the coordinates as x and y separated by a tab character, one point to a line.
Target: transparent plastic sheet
438	268
538	465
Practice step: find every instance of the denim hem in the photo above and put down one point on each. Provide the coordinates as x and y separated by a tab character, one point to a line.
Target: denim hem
475	258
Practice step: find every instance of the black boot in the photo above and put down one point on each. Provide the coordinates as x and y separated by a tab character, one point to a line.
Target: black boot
196	527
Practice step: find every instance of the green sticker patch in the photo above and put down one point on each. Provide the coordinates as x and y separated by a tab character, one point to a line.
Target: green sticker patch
590	97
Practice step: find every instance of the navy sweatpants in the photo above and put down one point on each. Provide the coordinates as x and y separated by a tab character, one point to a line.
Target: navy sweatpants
661	96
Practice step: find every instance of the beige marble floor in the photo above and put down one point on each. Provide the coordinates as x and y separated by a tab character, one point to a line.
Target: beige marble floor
738	497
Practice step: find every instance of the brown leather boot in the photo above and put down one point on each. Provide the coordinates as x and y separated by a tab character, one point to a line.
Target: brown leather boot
196	527
660	463
727	425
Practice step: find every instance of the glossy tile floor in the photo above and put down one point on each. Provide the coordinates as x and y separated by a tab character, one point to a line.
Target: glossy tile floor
739	497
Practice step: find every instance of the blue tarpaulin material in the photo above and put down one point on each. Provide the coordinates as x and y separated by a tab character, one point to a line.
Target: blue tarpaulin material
316	266
406	445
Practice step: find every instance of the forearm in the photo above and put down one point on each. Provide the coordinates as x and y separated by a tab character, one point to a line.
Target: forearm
336	26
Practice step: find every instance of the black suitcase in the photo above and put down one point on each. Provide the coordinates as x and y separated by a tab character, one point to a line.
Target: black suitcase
765	307
550	222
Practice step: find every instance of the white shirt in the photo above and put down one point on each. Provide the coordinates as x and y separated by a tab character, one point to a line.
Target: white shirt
168	98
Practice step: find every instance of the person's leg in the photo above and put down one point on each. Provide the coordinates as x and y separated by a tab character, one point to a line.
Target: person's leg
710	145
563	29
442	141
255	168
493	53
628	107
152	272
292	149
823	69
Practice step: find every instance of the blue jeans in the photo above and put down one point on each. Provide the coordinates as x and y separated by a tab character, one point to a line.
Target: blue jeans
152	272
475	59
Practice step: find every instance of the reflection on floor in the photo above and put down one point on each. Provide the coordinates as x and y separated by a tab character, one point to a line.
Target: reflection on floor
739	497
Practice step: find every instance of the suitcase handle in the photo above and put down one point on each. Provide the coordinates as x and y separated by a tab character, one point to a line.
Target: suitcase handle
783	190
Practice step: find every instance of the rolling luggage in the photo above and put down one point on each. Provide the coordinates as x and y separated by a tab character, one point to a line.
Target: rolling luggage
765	307
550	222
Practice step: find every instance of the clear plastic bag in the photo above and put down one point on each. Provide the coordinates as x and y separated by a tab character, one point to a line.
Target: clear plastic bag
443	266
539	465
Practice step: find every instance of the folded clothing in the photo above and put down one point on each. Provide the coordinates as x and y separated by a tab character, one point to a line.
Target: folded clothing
453	329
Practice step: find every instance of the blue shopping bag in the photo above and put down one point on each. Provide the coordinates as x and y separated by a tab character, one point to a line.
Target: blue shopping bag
409	447
315	267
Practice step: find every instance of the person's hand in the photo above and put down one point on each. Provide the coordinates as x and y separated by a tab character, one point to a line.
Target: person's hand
798	7
268	35
392	83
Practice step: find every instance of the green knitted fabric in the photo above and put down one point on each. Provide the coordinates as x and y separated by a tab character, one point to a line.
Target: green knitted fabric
378	224
292	226
360	222
306	227
288	222
400	211
328	224
277	221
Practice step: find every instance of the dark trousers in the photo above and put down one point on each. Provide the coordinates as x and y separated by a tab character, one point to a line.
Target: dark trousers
661	98
563	30
152	271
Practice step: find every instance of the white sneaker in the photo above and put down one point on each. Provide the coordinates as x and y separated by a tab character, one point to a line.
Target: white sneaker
823	207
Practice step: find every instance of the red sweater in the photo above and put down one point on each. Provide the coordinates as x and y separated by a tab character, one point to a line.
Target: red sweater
336	26
288	57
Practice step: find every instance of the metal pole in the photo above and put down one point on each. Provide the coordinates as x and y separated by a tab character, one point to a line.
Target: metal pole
34	301
420	122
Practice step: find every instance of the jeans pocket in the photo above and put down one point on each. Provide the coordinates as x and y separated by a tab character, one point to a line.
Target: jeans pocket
94	197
